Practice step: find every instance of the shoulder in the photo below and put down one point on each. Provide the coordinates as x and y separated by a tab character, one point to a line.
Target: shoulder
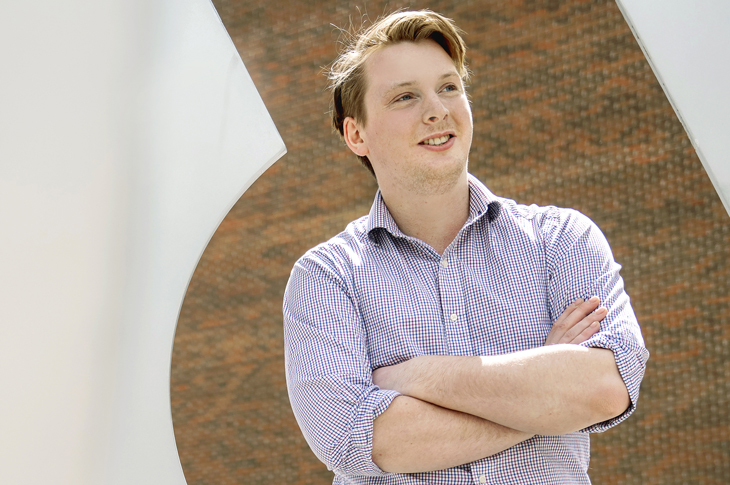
550	222
336	258
558	231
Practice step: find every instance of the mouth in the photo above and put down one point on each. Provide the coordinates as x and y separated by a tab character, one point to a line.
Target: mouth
437	141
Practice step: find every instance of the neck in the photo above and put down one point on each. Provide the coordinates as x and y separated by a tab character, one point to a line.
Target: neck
435	218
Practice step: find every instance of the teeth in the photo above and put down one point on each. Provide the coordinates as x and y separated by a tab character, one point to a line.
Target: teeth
437	141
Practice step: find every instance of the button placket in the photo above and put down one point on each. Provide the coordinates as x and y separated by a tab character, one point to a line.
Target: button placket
453	311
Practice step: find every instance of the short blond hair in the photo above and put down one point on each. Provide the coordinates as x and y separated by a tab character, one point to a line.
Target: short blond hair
347	73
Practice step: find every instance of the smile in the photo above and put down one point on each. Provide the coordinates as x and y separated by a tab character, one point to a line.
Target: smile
436	141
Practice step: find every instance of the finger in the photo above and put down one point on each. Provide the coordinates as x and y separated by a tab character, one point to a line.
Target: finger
558	327
579	327
583	310
574	315
589	332
568	310
557	330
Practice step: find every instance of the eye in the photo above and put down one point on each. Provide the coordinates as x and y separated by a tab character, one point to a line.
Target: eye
405	97
450	87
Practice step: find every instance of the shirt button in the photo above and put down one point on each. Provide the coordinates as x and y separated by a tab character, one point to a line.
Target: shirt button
454	317
482	479
445	263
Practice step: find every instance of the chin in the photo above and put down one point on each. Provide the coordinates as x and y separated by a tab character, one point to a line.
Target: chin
439	180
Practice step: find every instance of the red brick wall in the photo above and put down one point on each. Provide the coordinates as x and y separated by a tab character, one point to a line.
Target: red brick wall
567	112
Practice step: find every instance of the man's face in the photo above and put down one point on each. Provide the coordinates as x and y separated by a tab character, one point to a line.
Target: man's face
419	124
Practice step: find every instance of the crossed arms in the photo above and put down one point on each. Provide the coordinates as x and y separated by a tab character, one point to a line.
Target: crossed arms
434	412
455	410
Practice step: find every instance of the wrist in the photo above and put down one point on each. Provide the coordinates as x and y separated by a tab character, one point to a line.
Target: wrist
407	376
418	376
397	377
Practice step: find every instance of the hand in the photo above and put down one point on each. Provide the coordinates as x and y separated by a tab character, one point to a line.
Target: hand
390	377
577	324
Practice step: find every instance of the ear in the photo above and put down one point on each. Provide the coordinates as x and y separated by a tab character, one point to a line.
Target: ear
353	137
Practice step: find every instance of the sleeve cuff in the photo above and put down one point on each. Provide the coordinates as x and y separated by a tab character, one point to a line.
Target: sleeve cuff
359	459
631	365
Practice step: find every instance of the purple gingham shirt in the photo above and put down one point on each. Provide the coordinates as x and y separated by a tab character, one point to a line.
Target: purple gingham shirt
372	297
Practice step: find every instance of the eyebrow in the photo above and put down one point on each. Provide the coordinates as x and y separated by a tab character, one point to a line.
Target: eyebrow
404	84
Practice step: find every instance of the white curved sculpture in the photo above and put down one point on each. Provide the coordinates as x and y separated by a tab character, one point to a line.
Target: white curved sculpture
128	129
687	45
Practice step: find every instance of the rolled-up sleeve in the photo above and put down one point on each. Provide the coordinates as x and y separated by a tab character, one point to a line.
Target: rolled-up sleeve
581	265
328	371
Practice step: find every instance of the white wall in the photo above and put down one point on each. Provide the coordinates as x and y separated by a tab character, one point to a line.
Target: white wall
128	128
687	44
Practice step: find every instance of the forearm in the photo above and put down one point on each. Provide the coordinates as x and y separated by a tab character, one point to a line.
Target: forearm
548	390
415	436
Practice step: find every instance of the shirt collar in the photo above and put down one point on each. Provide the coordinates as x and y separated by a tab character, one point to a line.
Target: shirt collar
481	202
380	217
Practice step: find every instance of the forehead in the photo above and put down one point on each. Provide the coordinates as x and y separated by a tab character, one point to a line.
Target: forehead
406	63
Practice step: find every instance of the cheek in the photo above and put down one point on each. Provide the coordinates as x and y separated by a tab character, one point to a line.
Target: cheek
464	107
466	120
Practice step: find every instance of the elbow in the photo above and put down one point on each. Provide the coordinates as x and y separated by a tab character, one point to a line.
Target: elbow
394	437
613	399
383	458
326	451
335	457
384	455
330	448
343	456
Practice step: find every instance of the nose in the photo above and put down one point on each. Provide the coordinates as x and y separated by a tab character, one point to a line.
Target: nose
434	110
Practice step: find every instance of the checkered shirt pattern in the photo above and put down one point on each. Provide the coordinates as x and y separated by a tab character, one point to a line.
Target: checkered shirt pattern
372	297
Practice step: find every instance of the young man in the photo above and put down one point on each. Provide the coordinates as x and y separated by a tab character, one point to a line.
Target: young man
442	339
